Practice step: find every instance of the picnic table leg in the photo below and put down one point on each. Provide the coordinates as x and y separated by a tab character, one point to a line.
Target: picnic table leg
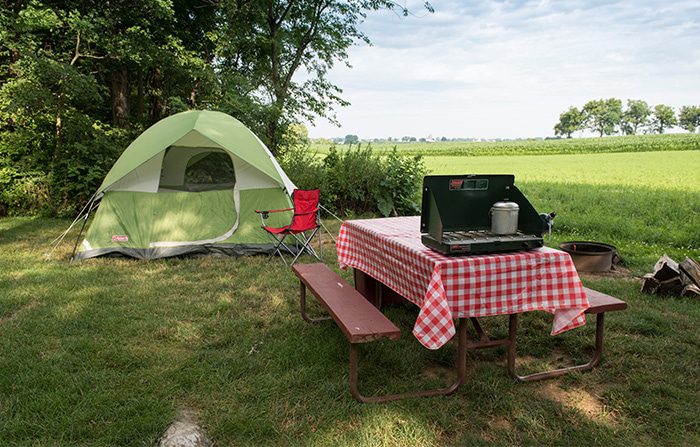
484	339
302	305
461	374
512	354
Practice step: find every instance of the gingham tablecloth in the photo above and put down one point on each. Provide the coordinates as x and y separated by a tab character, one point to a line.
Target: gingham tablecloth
445	288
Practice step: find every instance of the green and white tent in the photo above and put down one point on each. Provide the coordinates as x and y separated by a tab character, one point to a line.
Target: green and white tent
189	184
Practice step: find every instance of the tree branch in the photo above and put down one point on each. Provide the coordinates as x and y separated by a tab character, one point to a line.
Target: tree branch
304	43
78	55
77	49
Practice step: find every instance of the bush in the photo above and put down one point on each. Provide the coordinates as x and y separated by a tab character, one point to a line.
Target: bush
40	177
358	180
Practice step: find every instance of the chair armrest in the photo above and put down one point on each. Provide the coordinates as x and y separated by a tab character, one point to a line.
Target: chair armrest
265	213
273	211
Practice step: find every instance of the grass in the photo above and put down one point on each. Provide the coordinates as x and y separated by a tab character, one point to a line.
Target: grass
103	352
629	143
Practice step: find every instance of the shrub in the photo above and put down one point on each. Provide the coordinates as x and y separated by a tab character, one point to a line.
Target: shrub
40	177
358	180
400	187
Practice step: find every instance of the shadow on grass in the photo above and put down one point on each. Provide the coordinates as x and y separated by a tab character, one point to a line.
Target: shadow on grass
113	346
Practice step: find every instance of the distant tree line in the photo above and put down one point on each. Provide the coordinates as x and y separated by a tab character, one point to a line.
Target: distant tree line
354	139
607	117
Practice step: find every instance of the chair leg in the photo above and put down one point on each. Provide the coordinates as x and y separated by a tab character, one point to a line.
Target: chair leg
305	246
279	242
461	368
512	354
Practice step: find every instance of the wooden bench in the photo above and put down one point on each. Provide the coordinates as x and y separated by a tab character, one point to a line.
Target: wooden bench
360	322
600	304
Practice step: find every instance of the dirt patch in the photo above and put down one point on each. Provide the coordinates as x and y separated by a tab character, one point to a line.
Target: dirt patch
581	400
557	359
500	423
617	271
442	372
18	312
185	431
561	356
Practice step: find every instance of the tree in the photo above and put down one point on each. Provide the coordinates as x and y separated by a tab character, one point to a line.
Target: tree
689	118
663	118
73	77
77	82
603	116
297	134
569	122
635	116
263	44
351	139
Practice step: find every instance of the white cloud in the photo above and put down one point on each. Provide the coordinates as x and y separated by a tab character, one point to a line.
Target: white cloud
507	69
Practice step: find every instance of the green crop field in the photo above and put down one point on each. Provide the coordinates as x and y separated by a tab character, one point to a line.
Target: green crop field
633	143
675	170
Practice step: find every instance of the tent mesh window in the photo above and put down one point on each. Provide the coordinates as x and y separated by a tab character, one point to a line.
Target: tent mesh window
196	169
210	170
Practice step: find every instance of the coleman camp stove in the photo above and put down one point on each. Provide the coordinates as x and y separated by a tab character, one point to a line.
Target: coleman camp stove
457	212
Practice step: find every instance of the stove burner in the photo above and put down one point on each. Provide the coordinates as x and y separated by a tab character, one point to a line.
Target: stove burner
484	236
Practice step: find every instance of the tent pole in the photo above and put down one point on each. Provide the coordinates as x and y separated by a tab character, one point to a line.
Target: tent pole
326	228
82	227
56	242
329	233
326	210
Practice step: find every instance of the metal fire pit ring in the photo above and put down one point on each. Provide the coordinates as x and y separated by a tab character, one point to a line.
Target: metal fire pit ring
590	256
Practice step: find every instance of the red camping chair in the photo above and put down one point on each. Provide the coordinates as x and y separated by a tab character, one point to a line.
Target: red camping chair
306	218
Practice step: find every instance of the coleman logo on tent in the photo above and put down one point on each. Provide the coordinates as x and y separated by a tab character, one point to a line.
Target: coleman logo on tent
120	238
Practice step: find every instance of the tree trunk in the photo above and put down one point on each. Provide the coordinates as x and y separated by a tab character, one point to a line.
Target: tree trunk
120	97
193	93
272	140
140	92
157	102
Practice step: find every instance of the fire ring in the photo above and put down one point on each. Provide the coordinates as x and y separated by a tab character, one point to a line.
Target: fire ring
590	256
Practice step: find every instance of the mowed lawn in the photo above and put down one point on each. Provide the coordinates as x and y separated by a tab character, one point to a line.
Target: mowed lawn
105	351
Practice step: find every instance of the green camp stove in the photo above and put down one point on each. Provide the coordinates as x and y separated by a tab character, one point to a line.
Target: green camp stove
456	215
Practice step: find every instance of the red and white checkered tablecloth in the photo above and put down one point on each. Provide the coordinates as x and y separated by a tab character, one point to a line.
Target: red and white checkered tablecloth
445	288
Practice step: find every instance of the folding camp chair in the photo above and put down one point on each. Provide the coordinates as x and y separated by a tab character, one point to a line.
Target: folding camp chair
306	218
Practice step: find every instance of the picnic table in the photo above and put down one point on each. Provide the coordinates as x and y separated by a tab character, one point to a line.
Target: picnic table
387	257
390	251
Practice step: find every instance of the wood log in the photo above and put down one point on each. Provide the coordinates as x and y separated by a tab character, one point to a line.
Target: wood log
691	268
649	283
673	286
666	269
691	290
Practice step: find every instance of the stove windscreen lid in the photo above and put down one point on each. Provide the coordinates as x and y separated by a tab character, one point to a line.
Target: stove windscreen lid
463	203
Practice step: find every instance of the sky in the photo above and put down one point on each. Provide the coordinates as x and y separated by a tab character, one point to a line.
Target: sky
507	69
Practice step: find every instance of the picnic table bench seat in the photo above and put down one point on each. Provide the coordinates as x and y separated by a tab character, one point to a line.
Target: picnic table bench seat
360	321
600	303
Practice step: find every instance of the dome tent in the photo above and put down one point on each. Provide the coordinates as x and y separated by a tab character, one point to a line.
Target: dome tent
188	184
